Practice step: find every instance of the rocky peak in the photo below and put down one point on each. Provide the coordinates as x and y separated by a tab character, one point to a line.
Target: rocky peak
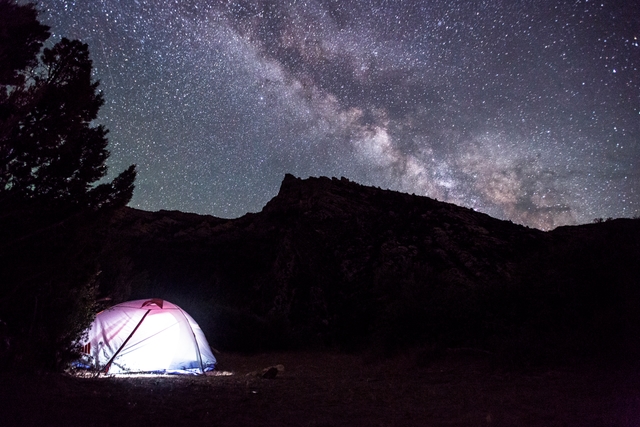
339	261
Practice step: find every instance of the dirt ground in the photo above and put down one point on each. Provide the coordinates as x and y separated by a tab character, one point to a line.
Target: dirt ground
327	389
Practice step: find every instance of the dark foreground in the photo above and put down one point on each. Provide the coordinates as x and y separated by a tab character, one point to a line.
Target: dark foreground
323	389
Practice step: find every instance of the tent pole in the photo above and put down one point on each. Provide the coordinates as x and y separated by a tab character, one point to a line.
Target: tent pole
108	365
195	342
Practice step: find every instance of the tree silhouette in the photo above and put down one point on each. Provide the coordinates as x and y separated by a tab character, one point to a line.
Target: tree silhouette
50	151
21	37
53	207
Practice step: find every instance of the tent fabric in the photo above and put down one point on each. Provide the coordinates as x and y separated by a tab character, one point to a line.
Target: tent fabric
147	336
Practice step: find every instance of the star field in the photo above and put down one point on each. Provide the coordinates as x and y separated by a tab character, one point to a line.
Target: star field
525	110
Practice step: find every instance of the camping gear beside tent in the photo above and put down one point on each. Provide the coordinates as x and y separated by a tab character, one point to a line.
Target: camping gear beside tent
147	336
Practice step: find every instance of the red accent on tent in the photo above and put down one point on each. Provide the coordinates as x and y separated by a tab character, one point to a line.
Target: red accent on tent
156	301
86	349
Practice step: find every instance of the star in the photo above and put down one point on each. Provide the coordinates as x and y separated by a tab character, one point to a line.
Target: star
528	111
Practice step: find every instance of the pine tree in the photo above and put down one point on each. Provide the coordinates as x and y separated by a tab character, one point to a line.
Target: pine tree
53	210
50	150
21	38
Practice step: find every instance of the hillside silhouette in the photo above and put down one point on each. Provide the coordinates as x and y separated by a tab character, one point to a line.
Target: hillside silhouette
331	263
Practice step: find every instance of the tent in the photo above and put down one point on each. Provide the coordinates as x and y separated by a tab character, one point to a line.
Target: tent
147	336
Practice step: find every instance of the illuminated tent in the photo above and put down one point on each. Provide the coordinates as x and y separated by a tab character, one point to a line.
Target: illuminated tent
147	336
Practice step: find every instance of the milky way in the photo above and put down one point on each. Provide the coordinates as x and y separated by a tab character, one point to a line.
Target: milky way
525	110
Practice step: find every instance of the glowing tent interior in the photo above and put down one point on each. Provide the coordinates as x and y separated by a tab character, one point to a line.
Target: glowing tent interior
144	336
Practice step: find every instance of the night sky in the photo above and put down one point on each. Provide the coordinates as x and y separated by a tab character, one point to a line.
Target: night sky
525	110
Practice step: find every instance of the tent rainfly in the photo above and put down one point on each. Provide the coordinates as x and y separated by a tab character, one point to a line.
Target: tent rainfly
147	336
